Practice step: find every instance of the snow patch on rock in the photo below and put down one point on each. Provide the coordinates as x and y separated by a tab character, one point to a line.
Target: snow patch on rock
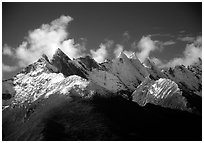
129	71
162	92
106	80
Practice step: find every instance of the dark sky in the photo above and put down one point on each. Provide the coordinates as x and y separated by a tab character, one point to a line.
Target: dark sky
98	22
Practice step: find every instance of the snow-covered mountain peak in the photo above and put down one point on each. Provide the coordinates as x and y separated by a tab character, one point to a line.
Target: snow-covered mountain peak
36	66
129	71
123	74
123	85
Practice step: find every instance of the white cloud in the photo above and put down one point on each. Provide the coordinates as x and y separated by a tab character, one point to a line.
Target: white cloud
108	44
186	39
126	36
145	45
157	61
118	50
167	43
163	35
45	40
7	50
191	54
72	50
134	45
7	68
100	54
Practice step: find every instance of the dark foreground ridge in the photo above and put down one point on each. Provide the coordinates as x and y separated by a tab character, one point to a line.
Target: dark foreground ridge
114	118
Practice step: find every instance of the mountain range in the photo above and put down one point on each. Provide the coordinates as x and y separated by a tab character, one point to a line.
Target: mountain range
119	99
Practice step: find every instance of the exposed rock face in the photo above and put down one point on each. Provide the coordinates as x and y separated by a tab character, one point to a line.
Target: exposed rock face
107	80
129	71
40	83
88	63
65	65
189	81
153	70
197	69
185	78
121	75
162	92
123	84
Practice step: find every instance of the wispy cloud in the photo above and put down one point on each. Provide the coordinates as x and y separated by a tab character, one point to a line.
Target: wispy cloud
182	31
7	50
163	35
45	40
186	39
167	43
7	68
126	36
163	44
191	54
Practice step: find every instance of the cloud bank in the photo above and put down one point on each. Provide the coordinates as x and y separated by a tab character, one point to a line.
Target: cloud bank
49	37
44	40
191	54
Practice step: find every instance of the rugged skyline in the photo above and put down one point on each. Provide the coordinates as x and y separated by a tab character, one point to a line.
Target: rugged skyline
168	33
122	99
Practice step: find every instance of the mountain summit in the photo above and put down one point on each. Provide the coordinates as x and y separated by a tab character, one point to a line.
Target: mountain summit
59	82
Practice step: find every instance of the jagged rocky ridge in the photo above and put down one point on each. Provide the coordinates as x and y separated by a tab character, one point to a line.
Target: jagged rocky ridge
179	88
122	75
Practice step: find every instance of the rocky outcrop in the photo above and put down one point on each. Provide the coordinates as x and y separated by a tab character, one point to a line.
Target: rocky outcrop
162	92
185	79
65	65
51	98
107	80
121	76
153	70
88	63
129	71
